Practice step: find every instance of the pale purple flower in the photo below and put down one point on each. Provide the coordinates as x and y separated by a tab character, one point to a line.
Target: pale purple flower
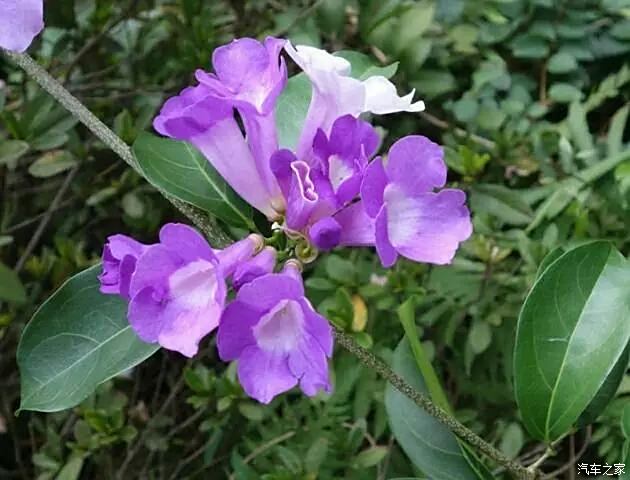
120	255
249	76
317	189
277	337
178	288
257	266
409	218
20	22
336	93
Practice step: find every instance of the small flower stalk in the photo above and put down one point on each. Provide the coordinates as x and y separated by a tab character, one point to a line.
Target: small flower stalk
332	191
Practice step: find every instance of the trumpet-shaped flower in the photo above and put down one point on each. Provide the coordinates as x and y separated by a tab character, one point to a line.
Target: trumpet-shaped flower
262	264
277	337
178	287
249	76
317	189
20	22
336	94
120	255
409	218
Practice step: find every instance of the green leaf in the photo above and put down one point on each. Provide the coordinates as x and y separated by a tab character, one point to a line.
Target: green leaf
529	46
72	469
52	163
572	329
428	444
562	62
182	171
607	391
11	151
614	142
512	440
564	93
364	67
369	457
76	340
291	110
551	257
11	288
480	337
625	422
501	202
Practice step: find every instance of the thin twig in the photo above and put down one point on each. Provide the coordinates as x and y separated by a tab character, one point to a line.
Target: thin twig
41	228
423	401
574	458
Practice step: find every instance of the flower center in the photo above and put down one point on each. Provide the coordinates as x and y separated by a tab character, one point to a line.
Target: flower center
194	285
281	329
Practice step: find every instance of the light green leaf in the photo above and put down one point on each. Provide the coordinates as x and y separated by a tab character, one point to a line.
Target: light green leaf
182	171
512	440
562	62
614	142
291	110
564	93
76	340
11	288
11	151
501	202
480	337
52	163
364	67
428	444
572	329
369	457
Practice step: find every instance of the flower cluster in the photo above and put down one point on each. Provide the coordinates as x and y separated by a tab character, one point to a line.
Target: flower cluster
331	191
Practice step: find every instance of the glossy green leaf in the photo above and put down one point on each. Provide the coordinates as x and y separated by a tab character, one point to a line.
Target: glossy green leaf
76	340
551	257
181	170
11	288
607	391
572	329
291	110
428	444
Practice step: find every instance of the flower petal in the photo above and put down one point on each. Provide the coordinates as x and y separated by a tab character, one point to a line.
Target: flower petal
260	265
308	363
264	375
428	227
416	164
381	97
266	291
386	251
235	329
153	269
186	242
325	233
225	148
318	327
20	22
373	185
357	228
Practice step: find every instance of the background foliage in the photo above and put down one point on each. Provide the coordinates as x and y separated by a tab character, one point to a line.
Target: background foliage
530	98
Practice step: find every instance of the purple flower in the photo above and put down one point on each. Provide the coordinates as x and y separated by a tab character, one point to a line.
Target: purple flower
178	288
262	264
249	76
316	190
20	22
336	93
120	255
277	337
409	218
